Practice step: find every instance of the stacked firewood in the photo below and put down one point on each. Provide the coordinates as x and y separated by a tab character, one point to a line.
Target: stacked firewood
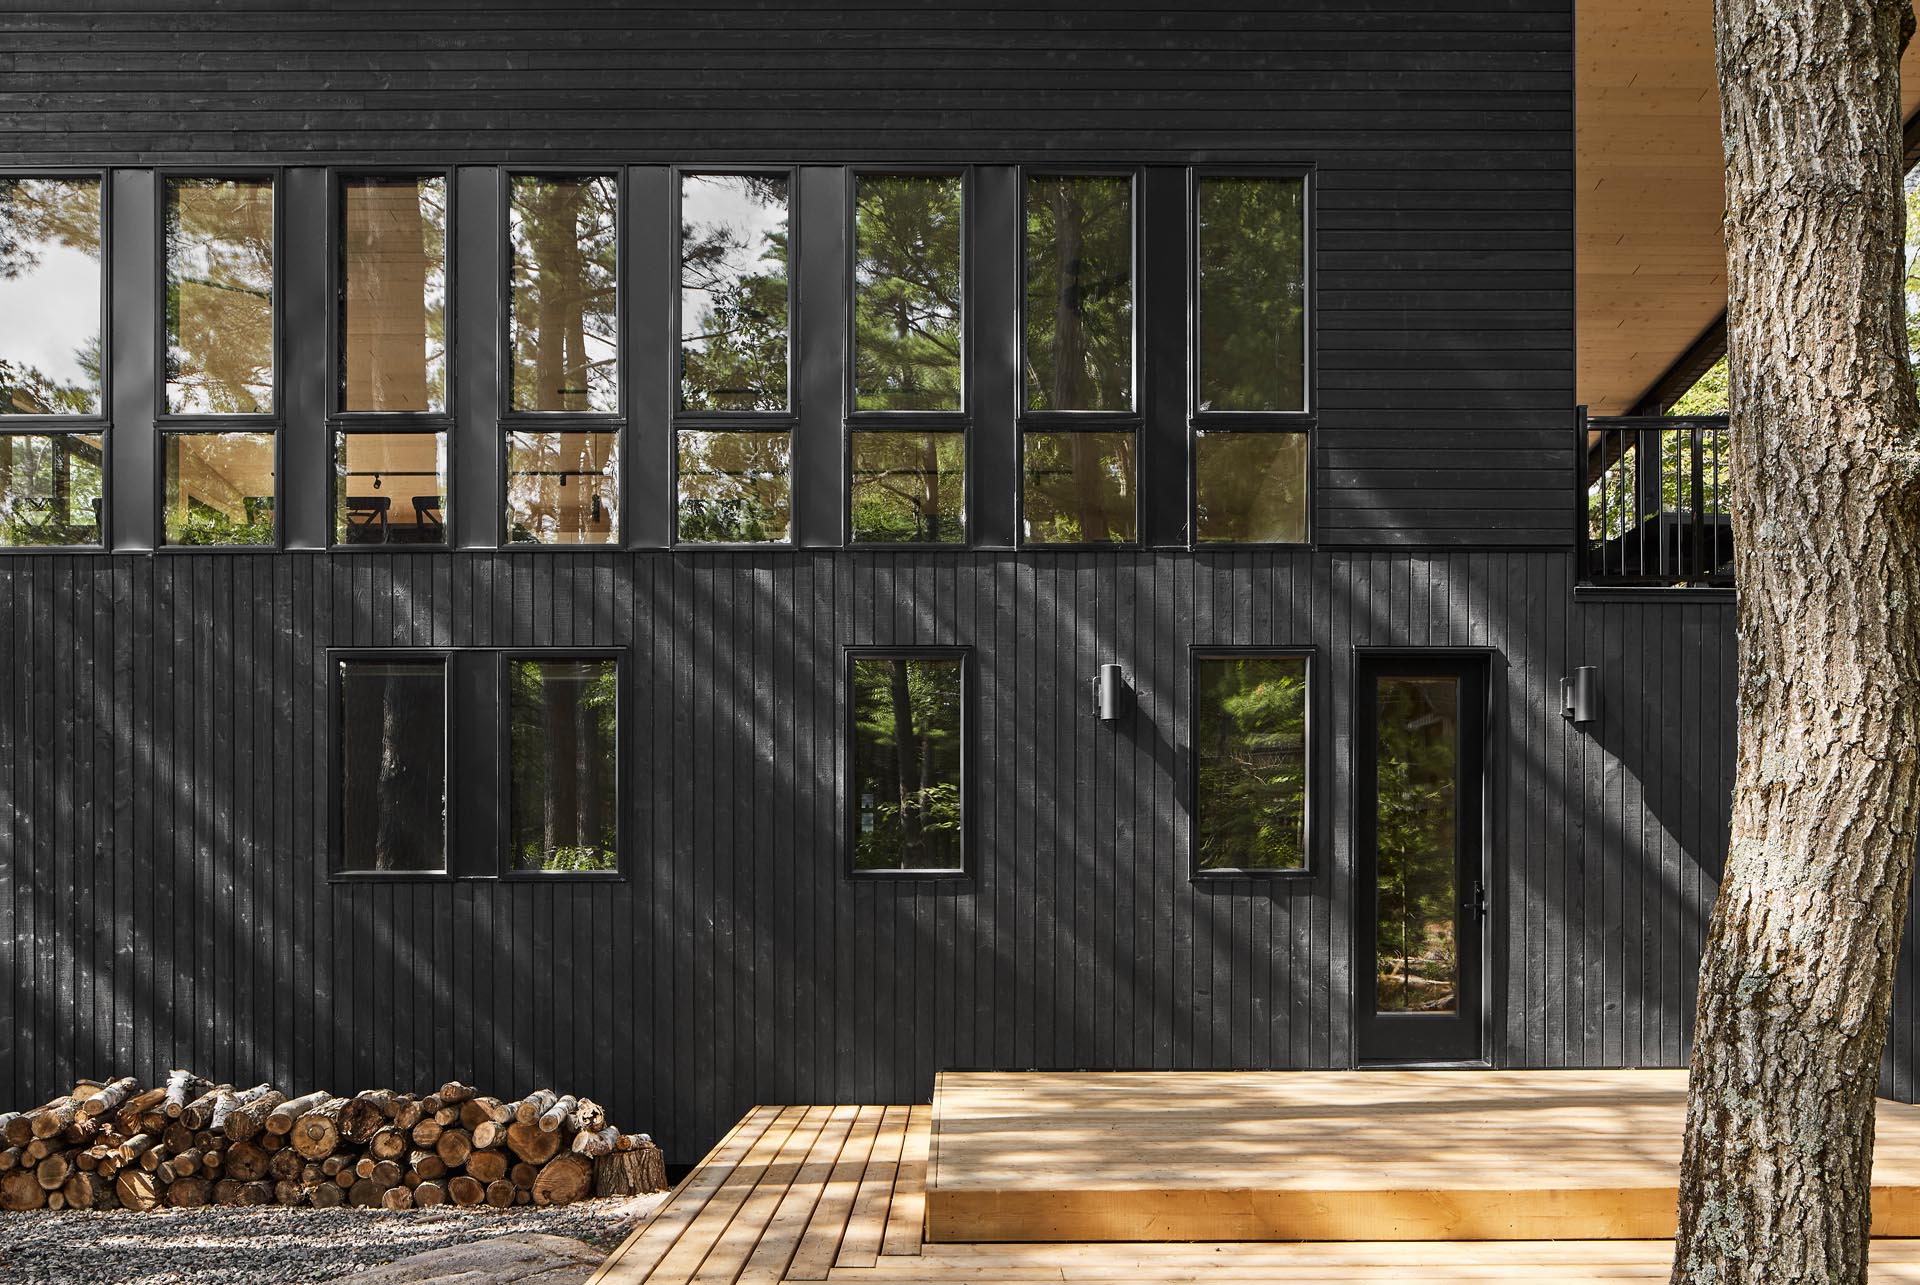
189	1142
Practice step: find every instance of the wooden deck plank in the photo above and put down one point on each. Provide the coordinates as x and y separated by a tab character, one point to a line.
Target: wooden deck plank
769	1261
907	1219
728	1257
637	1255
867	1225
821	1242
1277	1156
678	1264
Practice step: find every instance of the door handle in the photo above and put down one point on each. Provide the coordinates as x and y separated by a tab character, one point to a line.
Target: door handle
1476	901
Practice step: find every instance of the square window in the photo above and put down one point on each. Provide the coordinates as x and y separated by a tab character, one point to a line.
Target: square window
50	489
218	489
563	488
390	488
909	488
1250	488
1078	487
734	488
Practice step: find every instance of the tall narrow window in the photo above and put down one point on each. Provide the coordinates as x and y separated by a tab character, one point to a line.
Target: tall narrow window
218	488
393	299
1079	306
563	233
392	756
50	296
907	338
563	809
733	292
50	489
563	488
909	754
1250	750
219	296
1252	294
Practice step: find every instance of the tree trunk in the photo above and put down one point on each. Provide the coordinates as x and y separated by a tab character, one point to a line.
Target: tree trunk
1797	976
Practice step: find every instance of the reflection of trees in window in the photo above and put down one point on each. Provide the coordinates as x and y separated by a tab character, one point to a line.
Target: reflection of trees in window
563	233
1250	488
1079	341
907	762
50	490
1078	487
1252	294
49	296
219	302
394	300
1250	745
733	487
562	488
1418	811
219	488
393	765
733	292
563	757
909	487
907	292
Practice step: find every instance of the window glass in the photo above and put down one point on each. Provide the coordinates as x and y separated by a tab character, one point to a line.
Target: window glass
908	729
734	487
219	488
390	488
1252	295
1250	743
219	304
909	488
907	292
733	292
1077	488
563	755
393	307
1079	340
564	233
563	488
50	296
1250	488
1417	836
393	765
50	489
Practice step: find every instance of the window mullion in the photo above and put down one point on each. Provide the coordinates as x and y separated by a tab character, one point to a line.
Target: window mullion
477	287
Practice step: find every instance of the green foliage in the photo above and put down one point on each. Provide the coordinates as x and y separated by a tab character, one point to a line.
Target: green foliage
1250	738
562	758
906	764
909	487
1252	294
1417	760
733	300
219	488
907	282
1079	313
49	486
1709	394
1078	487
733	487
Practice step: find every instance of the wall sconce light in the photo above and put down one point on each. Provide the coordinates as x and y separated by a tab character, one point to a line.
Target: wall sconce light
1580	696
1110	693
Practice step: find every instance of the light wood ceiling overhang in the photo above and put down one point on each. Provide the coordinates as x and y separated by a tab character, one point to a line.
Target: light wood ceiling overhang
1650	264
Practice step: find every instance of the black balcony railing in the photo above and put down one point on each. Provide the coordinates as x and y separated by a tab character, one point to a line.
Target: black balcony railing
1654	501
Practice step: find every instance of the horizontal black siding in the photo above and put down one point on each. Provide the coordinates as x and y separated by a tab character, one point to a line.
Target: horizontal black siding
163	889
1441	132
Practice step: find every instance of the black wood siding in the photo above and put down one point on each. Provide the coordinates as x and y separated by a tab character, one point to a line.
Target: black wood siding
164	896
1442	133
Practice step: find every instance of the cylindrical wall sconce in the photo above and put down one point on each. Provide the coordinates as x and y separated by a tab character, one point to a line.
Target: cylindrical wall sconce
1110	693
1580	696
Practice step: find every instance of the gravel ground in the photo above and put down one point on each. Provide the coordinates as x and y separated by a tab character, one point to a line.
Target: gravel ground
271	1245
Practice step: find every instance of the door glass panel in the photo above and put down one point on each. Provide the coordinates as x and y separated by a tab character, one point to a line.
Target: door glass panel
1417	824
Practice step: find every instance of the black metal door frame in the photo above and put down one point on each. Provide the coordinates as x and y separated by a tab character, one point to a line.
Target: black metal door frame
1403	1038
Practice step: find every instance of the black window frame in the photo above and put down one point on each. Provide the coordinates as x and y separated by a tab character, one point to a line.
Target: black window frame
1309	869
508	420
1303	421
341	421
505	656
786	420
959	422
168	424
850	812
478	828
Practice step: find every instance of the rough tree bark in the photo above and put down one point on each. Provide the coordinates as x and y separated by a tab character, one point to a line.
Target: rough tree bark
1798	971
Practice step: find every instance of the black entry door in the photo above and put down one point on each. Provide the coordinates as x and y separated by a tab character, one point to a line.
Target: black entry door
1421	905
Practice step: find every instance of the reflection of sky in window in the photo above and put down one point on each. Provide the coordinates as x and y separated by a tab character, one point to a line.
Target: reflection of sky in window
724	200
49	314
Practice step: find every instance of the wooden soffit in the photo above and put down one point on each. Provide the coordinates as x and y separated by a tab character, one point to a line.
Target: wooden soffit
1649	259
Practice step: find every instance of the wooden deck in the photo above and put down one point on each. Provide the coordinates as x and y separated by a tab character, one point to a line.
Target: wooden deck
839	1194
1376	1155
